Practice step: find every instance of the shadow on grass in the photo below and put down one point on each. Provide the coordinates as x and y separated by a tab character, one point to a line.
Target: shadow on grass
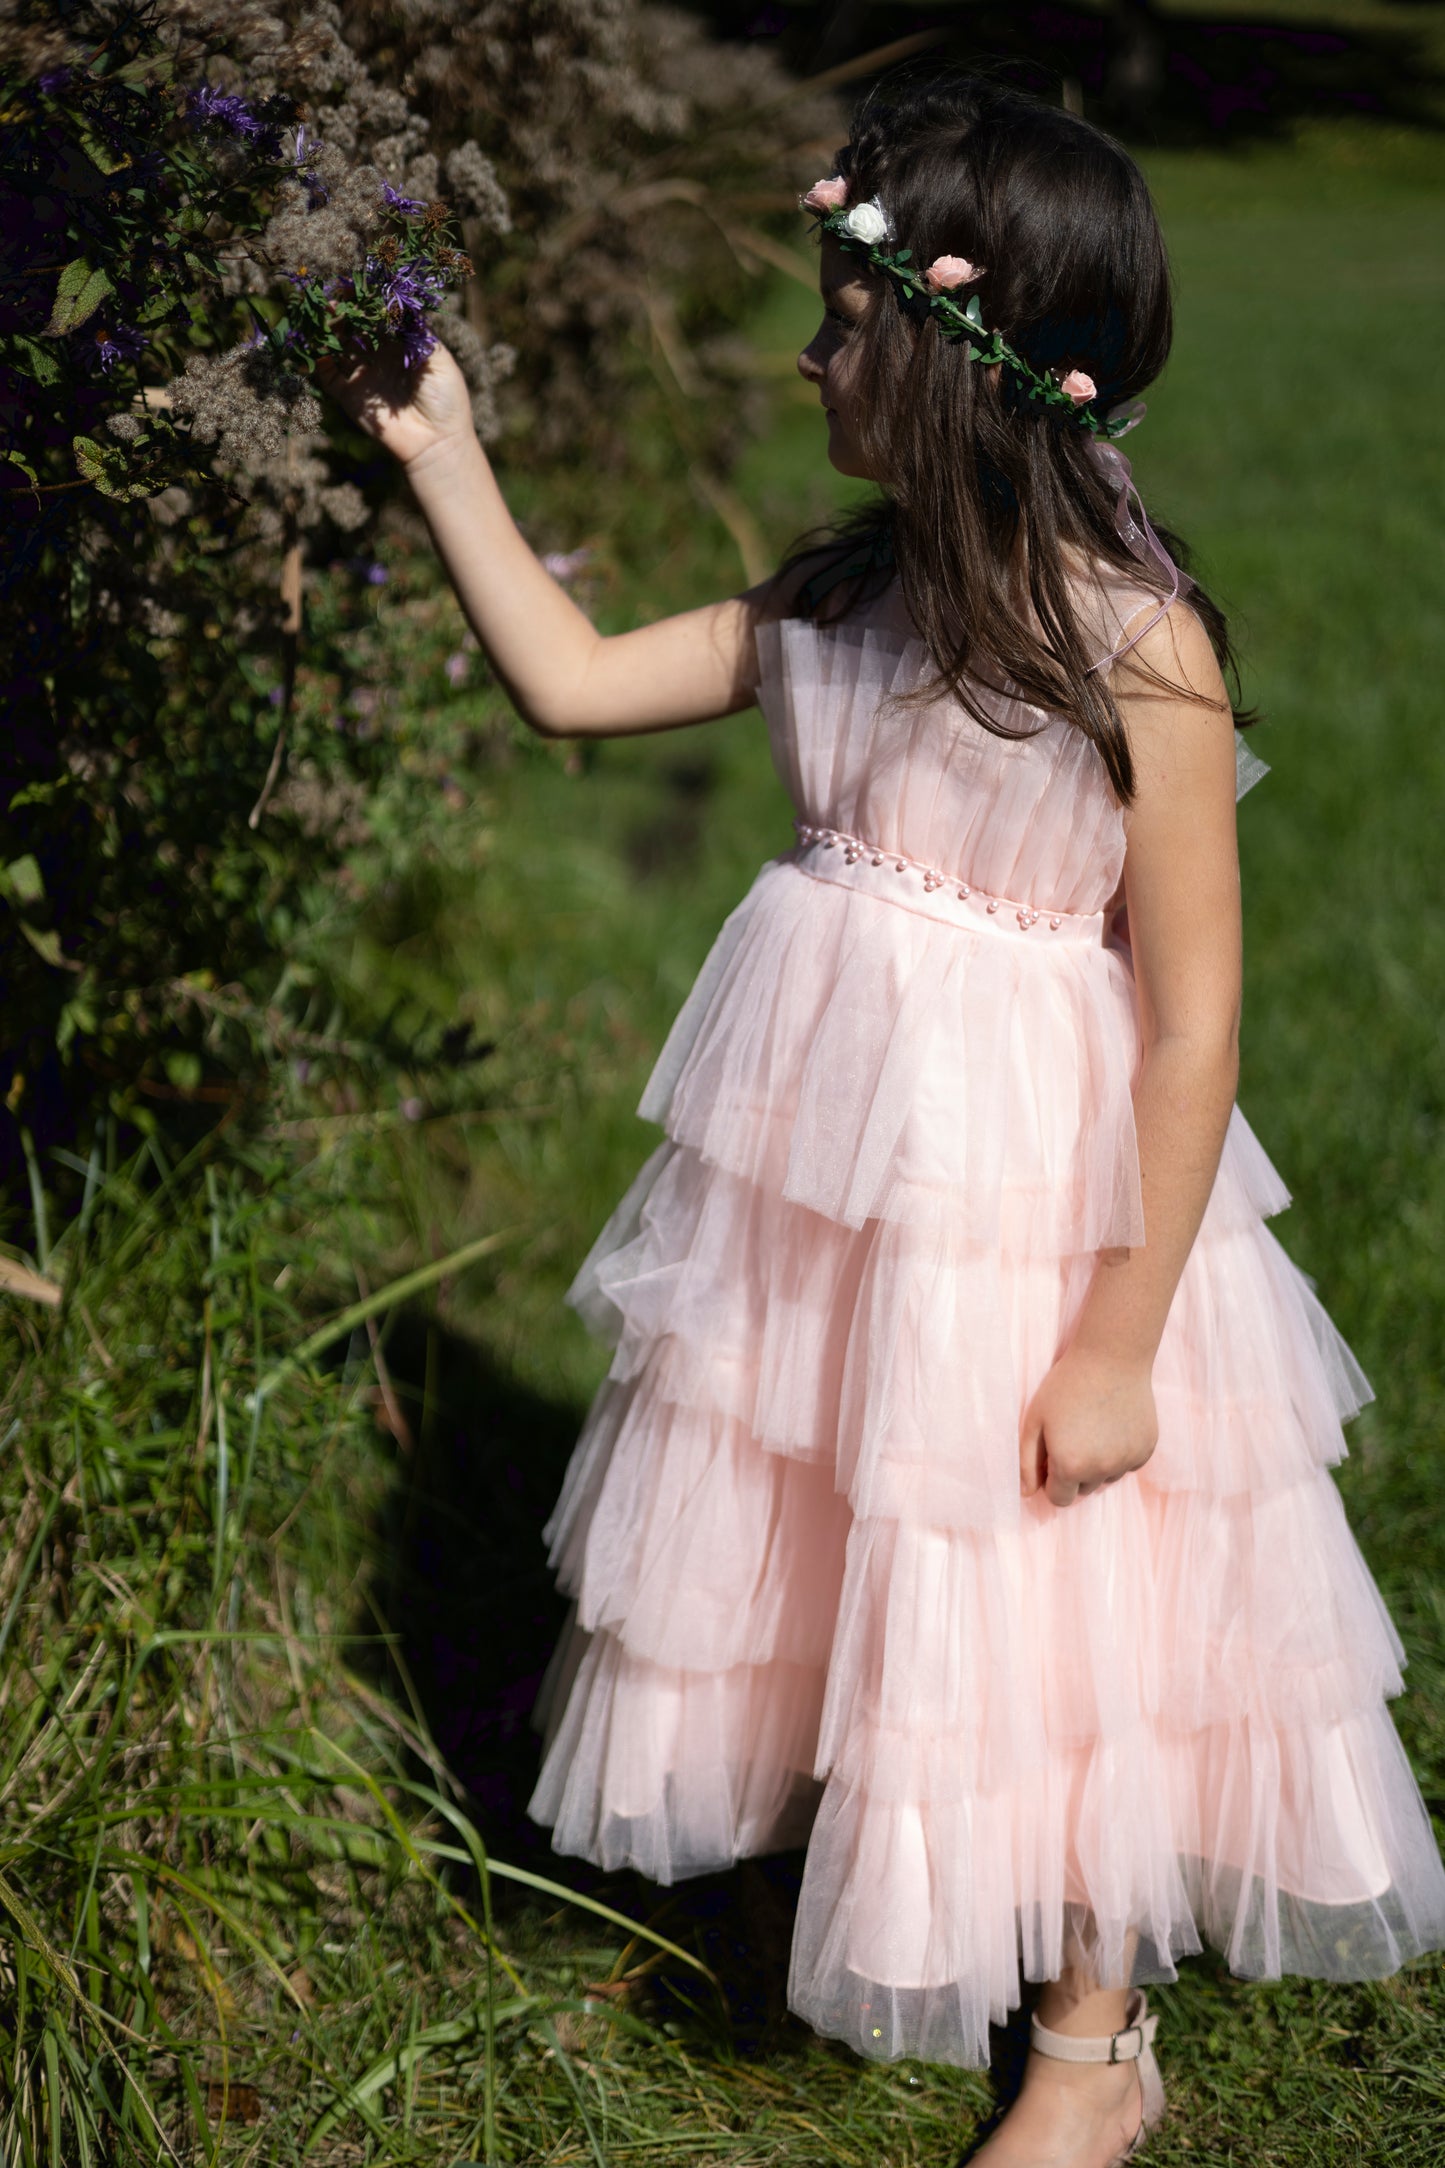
462	1584
460	1576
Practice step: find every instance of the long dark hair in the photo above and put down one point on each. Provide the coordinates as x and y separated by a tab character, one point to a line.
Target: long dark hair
981	478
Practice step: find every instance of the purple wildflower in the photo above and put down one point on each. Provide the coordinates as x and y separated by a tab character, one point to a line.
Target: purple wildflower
377	575
412	1110
56	79
409	206
417	341
408	290
456	667
113	343
415	284
207	108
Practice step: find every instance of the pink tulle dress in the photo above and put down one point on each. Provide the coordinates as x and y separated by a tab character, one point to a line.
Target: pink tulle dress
811	1606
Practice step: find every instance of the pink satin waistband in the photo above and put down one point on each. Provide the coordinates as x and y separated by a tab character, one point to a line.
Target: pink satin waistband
831	854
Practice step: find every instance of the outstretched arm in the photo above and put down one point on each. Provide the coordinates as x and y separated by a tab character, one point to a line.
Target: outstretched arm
1093	1418
566	678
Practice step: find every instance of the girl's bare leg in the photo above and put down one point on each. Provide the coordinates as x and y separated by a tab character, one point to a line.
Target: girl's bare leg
1070	2115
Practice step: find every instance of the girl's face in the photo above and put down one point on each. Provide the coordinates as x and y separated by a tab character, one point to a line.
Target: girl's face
829	360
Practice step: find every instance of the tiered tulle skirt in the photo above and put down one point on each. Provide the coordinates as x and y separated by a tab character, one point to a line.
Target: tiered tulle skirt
811	1606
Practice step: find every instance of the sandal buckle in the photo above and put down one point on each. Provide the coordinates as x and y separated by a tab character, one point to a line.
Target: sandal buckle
1123	2034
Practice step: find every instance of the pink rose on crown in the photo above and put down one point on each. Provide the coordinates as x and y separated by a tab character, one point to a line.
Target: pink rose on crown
1079	387
946	272
825	196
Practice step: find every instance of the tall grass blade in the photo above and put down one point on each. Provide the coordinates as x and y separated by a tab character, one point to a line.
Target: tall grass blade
383	1298
40	1211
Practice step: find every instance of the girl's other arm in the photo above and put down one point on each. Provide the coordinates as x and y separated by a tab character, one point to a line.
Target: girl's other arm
1093	1417
566	678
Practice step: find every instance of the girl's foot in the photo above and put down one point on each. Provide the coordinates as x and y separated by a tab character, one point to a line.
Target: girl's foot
1067	2115
1084	2113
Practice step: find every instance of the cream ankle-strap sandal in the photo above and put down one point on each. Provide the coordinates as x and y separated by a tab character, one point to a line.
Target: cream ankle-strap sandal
1134	2043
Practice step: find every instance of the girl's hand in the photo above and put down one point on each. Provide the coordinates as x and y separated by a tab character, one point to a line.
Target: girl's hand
1091	1421
409	411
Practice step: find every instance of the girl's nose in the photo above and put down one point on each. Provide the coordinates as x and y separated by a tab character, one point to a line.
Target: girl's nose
809	366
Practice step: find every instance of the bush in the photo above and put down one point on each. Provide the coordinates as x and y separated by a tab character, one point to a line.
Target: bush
184	773
166	470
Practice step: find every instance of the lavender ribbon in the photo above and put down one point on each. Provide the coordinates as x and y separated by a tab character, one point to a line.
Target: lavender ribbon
1131	524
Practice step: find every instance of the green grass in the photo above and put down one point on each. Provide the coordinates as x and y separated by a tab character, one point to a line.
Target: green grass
1298	439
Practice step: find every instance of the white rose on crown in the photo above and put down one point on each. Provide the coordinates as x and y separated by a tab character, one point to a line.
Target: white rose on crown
868	222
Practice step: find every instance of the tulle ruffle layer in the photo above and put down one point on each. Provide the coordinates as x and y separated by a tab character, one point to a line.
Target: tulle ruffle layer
903	1356
869	1063
1289	1848
676	1772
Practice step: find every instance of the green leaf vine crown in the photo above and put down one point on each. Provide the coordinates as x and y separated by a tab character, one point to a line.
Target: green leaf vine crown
866	230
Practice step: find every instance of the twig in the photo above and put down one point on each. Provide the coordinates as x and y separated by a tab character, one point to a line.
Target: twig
400	1427
95	1340
738	520
291	596
20	1280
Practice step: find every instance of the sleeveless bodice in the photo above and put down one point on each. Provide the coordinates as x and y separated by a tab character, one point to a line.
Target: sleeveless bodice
1029	817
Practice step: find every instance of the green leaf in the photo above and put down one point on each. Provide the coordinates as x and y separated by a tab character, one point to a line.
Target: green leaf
79	1018
77	296
46	943
41	793
104	465
34	356
18	459
23	880
102	156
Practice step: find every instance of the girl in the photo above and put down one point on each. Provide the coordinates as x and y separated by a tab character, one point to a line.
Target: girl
958	1499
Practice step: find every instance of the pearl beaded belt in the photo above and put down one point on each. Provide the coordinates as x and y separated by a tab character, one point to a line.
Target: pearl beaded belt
832	854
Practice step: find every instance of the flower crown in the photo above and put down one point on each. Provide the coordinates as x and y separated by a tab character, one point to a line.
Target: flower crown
866	228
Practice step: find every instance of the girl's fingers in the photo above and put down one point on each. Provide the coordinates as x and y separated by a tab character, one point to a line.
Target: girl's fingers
1033	1461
